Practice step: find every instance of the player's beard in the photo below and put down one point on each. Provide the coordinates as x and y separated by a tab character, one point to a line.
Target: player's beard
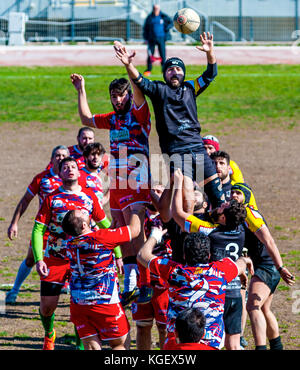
180	80
91	165
70	182
125	109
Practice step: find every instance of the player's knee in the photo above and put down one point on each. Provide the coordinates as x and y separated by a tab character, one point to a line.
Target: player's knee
144	324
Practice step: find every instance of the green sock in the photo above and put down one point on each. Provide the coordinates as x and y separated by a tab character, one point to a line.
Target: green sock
79	343
48	324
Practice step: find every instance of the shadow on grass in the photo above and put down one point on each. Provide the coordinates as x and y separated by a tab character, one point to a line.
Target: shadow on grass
28	342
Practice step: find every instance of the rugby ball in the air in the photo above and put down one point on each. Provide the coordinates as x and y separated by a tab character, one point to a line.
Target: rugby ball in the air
186	20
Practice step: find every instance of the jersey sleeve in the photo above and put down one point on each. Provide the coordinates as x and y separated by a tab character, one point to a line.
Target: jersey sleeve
111	238
194	224
229	267
142	115
162	267
102	120
44	215
98	214
254	220
235	173
34	186
203	81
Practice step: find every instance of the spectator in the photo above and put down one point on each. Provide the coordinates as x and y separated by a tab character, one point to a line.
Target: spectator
156	32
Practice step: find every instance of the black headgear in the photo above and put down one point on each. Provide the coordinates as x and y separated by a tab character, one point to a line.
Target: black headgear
171	62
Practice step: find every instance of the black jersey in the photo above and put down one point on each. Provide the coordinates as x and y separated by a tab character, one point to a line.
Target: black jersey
175	110
228	243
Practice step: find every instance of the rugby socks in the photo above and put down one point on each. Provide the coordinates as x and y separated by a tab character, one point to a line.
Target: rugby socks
130	273
79	344
260	348
48	324
276	344
214	192
22	274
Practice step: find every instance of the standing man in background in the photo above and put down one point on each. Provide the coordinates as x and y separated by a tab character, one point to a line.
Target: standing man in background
156	32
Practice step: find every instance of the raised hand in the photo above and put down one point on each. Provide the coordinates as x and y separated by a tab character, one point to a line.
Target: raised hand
78	81
122	54
207	41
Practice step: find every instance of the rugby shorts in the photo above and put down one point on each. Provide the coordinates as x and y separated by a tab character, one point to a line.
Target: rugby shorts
108	321
232	316
58	270
156	309
268	274
120	199
194	163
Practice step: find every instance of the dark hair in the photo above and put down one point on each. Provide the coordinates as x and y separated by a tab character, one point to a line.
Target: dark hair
190	325
221	154
93	147
82	129
235	214
71	224
120	85
67	159
196	247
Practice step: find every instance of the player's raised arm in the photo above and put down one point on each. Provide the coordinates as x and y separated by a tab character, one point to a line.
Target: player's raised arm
126	59
123	55
178	212
83	107
207	46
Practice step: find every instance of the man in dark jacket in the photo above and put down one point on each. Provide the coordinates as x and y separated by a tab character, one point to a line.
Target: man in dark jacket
156	32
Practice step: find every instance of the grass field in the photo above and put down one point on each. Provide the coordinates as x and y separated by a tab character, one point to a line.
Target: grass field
254	110
264	95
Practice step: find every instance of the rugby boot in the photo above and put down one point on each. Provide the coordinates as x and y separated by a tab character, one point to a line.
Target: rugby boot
49	342
128	297
146	293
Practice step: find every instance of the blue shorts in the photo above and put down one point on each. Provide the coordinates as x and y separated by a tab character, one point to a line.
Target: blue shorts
193	162
232	316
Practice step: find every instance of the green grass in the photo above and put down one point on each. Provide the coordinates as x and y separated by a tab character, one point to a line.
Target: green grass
260	96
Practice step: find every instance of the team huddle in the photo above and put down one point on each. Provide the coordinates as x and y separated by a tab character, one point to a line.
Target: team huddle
185	247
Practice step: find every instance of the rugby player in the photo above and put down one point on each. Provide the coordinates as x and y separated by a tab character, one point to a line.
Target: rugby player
197	283
42	185
144	314
53	267
211	144
189	330
95	306
129	126
222	162
177	125
268	268
227	238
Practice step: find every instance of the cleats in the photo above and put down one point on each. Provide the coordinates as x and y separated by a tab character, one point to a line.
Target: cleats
243	342
146	293
49	342
128	297
11	297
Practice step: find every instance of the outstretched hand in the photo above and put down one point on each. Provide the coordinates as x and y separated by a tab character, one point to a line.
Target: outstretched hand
78	81
122	54
207	41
